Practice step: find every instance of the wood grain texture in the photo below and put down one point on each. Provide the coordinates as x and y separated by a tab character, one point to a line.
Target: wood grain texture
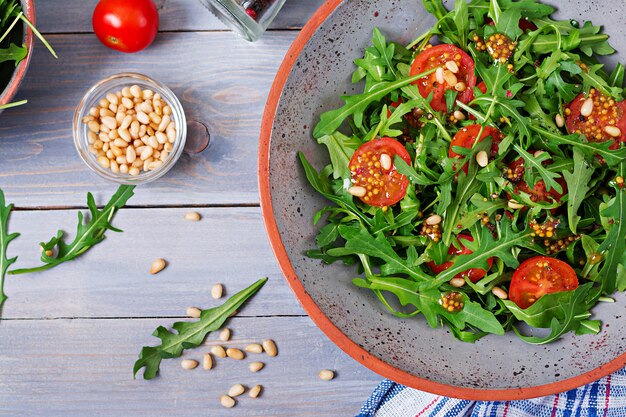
77	368
222	82
174	15
112	280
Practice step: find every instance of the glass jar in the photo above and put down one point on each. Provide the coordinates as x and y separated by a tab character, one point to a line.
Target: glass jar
249	18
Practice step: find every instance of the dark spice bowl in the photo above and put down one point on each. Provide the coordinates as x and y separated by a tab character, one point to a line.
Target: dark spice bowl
11	76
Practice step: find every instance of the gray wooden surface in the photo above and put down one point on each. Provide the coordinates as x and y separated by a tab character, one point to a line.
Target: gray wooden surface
69	336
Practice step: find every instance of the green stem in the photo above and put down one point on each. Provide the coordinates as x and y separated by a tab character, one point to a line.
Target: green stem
30	270
39	35
11	26
14	104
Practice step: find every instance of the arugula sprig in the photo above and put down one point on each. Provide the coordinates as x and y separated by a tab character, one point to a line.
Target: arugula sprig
5	239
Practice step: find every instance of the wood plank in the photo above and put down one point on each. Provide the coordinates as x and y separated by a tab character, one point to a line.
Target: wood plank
174	15
223	84
84	367
228	245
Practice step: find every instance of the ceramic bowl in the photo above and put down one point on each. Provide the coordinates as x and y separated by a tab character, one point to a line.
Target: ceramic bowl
316	71
15	75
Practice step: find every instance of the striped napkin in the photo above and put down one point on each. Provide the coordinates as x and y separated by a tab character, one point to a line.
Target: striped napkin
603	398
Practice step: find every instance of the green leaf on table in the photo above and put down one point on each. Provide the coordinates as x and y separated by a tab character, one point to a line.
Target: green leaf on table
5	239
88	234
577	187
190	335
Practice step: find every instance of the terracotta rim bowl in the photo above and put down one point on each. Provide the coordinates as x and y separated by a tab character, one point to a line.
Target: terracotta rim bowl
28	7
408	352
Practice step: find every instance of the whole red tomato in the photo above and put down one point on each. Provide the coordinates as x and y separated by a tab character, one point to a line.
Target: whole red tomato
126	25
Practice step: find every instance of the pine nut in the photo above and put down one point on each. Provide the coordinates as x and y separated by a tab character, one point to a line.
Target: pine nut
256	366
482	158
165	121
115	167
254	348
236	390
135	91
270	347
458	115
515	205
537	154
587	108
385	161
357	191
120	159
194	312
126	92
94	126
192	216
134	171
613	131
104	162
450	78
167	110
153	142
433	220
225	335
188	364
460	86
326	375
207	362
146	153
123	168
439	75
94	112
171	135
145	107
109	122
500	293
147	94
106	113
452	66
217	291
227	401
218	351
255	391
161	137
131	155
120	143
143	118
457	282
87	119
559	121
128	103
235	353
158	264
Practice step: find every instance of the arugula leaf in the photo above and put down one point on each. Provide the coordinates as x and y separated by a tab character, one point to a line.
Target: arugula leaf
5	239
461	21
87	234
534	163
340	148
190	335
577	187
13	53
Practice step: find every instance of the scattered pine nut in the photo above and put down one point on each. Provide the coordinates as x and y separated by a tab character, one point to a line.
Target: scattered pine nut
537	154
450	78
458	115
235	353
227	401
194	312
452	66
559	120
236	390
515	205
460	86
357	191
207	362
217	291
254	391
500	293
157	266
439	75
385	161
254	348
457	282
433	220
482	158
270	347
587	108
218	351
225	335
326	375
613	131
256	366
188	364
192	216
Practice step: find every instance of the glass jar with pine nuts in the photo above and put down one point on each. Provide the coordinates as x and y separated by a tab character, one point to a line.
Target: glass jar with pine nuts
130	129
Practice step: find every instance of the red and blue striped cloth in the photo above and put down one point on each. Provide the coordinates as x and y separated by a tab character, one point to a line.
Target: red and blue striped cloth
603	398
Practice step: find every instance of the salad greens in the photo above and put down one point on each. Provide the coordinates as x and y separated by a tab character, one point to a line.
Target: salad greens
5	239
190	335
547	189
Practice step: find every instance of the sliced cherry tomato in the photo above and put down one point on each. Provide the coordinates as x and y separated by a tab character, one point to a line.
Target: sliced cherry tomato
482	87
539	276
474	274
515	174
383	186
437	56
126	25
606	113
466	137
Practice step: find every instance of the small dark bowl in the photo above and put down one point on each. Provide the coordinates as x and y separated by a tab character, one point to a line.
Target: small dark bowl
11	76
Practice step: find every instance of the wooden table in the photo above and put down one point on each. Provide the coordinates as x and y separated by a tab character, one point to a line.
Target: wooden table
69	336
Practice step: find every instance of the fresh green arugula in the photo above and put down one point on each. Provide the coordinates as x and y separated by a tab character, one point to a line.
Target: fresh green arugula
189	335
5	239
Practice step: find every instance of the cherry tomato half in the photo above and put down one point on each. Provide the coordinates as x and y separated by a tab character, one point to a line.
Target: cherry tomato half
438	56
466	137
126	25
474	274
539	276
606	113
372	169
539	193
